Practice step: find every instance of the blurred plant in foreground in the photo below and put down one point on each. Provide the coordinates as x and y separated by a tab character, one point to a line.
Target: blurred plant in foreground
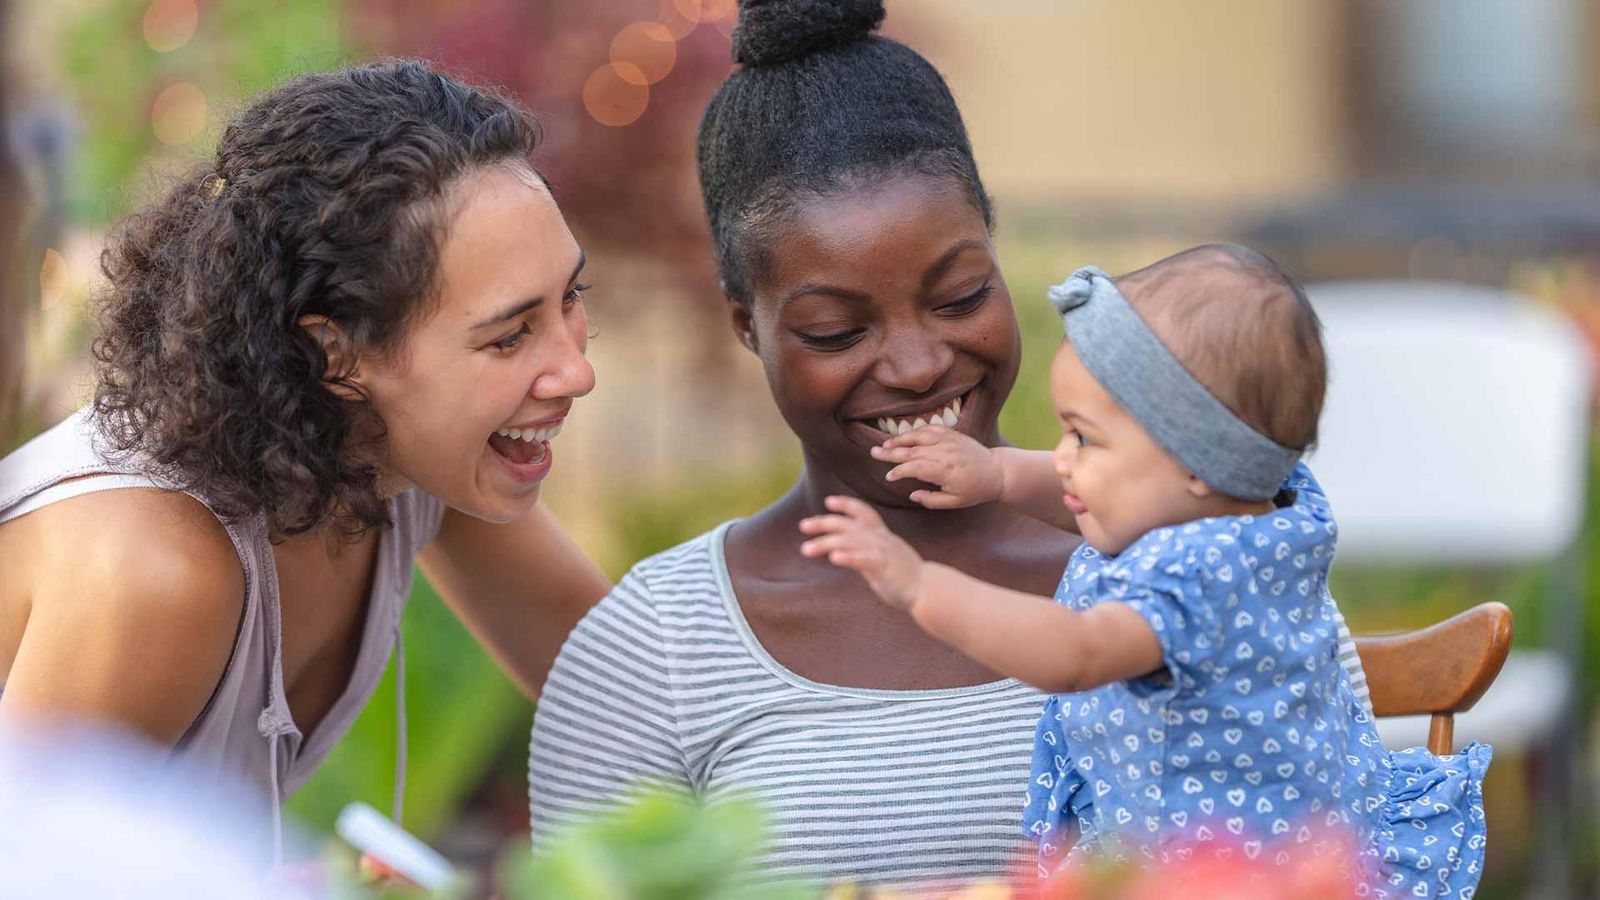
663	846
668	846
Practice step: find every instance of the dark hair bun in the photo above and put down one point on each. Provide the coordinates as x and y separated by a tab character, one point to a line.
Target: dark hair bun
774	31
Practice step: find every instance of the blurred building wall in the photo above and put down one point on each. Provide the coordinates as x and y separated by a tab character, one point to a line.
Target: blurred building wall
1250	100
1143	98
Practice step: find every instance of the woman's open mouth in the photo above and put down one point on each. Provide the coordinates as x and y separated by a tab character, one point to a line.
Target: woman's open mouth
525	451
947	414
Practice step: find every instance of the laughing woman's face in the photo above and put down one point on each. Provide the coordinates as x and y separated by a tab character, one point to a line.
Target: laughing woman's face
879	311
486	381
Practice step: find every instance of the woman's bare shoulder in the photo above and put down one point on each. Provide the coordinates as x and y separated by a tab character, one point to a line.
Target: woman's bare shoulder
140	541
136	598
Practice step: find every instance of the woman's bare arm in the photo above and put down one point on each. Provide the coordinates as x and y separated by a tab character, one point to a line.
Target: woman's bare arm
519	587
134	626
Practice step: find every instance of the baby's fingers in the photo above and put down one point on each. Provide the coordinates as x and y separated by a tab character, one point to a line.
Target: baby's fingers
857	510
928	470
939	500
828	544
825	524
885	453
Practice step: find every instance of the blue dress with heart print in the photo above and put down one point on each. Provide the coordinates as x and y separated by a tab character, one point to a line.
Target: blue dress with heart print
1250	735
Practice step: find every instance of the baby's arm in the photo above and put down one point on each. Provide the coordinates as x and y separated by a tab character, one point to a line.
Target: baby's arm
968	473
1020	635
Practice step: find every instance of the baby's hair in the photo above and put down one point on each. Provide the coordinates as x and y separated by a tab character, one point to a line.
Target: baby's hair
820	105
1242	326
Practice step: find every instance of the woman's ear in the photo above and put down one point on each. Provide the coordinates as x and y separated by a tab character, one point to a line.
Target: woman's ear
744	326
343	376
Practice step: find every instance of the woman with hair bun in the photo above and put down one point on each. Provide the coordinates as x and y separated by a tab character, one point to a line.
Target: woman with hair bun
342	345
852	236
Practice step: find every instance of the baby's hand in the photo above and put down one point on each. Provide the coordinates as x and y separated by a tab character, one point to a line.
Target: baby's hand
855	537
967	472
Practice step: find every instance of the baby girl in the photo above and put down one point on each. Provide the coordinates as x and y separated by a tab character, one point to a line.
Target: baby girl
1191	651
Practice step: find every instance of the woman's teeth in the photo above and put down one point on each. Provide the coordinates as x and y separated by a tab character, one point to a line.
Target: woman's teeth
529	435
946	416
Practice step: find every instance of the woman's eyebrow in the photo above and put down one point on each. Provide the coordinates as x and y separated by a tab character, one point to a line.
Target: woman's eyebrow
822	290
943	263
523	306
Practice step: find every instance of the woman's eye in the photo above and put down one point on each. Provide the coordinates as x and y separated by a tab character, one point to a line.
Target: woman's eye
968	303
1082	441
513	340
836	341
575	295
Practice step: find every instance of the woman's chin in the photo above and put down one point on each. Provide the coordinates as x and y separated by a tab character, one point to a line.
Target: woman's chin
496	499
502	510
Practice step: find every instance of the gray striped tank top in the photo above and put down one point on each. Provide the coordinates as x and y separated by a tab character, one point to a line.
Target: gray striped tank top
245	730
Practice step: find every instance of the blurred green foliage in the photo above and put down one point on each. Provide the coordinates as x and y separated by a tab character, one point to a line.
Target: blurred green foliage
461	711
241	48
659	845
662	846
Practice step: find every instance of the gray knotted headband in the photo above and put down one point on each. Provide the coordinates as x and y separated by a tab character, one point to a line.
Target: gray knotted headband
1143	376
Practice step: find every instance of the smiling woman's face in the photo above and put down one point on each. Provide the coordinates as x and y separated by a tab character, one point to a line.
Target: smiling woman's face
486	380
879	310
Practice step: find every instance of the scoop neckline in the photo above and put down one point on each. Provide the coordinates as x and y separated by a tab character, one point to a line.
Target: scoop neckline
730	602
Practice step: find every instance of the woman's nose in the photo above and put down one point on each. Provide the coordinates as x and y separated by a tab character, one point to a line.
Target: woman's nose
567	372
913	361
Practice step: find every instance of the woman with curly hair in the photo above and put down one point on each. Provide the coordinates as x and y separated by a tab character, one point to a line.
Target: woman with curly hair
343	345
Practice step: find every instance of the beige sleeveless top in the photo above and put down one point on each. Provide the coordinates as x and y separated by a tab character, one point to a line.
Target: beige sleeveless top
245	730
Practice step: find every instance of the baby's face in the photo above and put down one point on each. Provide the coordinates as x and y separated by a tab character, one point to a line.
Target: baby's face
1116	480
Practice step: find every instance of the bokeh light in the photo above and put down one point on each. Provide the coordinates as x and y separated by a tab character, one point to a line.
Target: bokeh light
616	94
721	13
169	24
679	17
52	279
179	113
650	49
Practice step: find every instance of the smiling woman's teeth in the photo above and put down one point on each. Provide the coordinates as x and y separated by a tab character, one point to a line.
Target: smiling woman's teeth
529	435
946	416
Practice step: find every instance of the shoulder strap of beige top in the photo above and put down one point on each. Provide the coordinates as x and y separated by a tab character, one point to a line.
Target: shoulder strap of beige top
76	487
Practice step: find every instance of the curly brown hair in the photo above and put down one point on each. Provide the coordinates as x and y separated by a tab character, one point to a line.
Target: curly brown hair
326	198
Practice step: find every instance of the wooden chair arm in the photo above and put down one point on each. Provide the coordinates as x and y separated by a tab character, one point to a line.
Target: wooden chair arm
1444	668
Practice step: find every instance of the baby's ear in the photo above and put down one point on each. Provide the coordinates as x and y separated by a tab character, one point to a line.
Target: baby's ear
1198	489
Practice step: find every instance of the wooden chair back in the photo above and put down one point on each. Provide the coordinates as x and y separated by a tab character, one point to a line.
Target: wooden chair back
1439	670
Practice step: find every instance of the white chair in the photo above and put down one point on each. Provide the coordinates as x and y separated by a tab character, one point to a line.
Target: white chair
1456	432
